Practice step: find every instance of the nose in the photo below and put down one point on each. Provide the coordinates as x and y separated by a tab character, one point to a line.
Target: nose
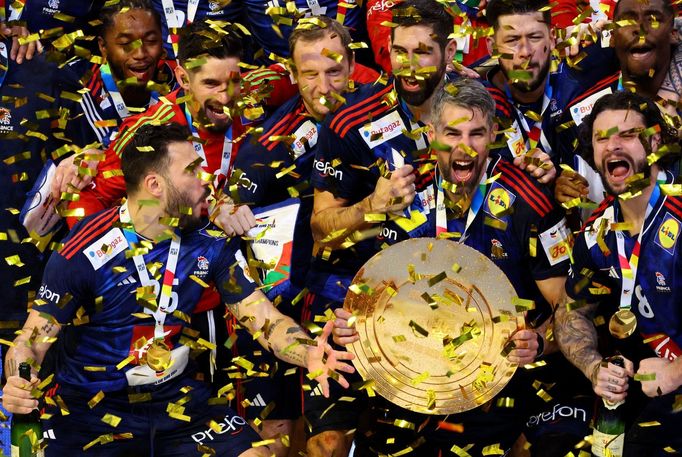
140	52
323	84
524	50
614	143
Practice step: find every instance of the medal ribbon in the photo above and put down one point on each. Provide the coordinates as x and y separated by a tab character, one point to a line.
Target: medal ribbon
168	276
4	62
115	94
628	267
172	21
534	134
474	208
226	157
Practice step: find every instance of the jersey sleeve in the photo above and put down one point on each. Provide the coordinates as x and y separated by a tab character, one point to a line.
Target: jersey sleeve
341	165
67	285
231	274
253	161
583	272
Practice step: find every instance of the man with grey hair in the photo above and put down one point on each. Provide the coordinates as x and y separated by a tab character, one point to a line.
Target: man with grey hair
490	205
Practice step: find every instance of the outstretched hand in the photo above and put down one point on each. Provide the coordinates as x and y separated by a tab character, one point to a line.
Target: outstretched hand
325	362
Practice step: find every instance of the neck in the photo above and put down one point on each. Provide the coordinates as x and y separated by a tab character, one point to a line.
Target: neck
422	112
519	95
135	96
645	86
145	218
634	209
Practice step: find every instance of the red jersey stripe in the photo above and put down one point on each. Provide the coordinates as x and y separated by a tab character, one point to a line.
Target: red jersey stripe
530	189
96	227
379	108
352	111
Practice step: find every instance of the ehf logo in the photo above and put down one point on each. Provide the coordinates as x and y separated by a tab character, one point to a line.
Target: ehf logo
202	267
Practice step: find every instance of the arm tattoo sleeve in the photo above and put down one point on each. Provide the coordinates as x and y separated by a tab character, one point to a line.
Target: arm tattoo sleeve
673	80
577	337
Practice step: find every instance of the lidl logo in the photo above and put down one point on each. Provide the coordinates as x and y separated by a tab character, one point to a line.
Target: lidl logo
499	200
668	232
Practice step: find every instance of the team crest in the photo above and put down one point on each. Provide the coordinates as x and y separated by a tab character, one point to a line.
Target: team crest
499	200
54	4
202	267
497	250
667	234
661	284
213	6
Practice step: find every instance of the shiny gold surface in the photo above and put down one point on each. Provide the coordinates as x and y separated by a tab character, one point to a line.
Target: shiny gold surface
433	318
158	356
622	324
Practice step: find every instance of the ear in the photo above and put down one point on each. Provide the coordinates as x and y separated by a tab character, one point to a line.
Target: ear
154	185
351	69
552	38
182	77
102	48
450	51
490	44
291	68
430	132
655	142
493	132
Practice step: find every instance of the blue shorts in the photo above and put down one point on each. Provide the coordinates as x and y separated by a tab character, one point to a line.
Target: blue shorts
145	428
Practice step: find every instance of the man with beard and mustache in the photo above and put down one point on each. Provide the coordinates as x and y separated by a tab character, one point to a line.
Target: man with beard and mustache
626	258
530	97
471	191
131	337
209	79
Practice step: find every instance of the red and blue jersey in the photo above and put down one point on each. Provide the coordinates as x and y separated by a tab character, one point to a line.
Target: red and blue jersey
70	15
596	274
364	136
92	288
517	213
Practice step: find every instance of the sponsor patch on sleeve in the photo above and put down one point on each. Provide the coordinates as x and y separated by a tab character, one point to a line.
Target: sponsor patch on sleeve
106	248
383	129
556	242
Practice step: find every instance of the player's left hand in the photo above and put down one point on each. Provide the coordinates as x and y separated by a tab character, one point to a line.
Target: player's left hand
19	52
538	164
325	362
667	377
525	347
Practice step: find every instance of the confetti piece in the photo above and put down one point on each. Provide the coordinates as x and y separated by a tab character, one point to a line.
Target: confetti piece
110	419
645	377
99	396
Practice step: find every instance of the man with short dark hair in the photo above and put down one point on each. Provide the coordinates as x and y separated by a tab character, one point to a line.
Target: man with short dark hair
624	270
121	291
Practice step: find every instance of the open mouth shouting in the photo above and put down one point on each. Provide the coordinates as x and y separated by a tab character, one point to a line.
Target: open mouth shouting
141	71
618	169
462	170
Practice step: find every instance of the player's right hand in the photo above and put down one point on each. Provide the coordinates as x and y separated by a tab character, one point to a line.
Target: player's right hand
235	220
19	52
570	185
343	333
67	177
611	381
395	193
16	395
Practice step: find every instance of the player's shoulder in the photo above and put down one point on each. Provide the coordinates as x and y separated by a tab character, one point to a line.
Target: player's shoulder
367	102
282	123
522	188
589	95
97	237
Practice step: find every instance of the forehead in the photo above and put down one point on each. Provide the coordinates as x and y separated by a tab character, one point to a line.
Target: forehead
623	119
413	36
312	50
460	117
628	6
526	22
181	155
219	69
133	20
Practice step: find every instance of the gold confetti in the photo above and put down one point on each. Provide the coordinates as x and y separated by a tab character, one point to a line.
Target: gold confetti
112	420
99	396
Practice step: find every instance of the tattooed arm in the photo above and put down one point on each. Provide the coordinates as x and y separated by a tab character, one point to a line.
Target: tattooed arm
30	346
672	85
289	341
577	337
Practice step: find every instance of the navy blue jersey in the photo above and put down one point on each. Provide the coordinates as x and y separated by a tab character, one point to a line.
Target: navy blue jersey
516	212
47	14
351	153
276	166
596	276
33	97
216	10
262	23
564	86
91	291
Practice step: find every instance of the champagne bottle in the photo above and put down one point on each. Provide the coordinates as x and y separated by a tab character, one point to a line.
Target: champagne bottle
609	425
22	424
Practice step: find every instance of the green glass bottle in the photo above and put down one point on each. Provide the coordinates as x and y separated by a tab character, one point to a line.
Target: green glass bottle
22	423
609	425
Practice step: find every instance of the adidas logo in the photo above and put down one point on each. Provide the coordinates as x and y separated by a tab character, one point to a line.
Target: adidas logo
258	401
129	280
316	392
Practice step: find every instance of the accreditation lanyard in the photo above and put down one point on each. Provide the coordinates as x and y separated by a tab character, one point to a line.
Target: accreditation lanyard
533	135
115	94
420	142
474	208
171	16
226	155
164	302
628	267
4	62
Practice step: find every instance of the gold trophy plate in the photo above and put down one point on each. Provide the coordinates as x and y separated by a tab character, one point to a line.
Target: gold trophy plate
433	317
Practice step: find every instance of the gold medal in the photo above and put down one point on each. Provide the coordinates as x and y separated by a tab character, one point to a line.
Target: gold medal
623	323
158	356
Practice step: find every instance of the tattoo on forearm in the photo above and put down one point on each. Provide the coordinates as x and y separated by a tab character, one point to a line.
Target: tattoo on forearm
577	339
269	328
673	80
